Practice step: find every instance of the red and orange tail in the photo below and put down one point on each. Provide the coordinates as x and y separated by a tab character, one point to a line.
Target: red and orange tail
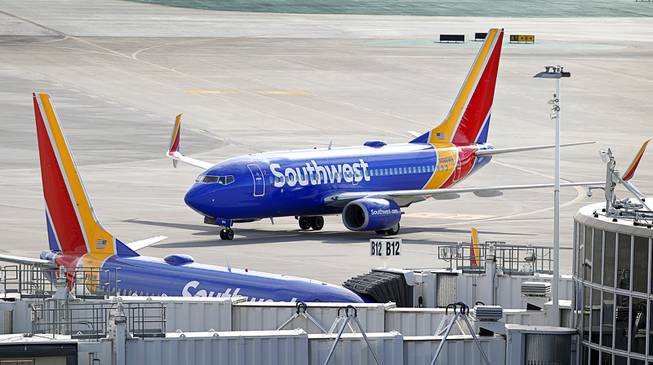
475	255
468	120
630	171
73	228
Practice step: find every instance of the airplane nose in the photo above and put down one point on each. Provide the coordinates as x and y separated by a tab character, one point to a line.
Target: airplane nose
197	200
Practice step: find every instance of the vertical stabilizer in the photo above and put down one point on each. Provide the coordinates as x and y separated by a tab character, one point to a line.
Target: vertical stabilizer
468	120
72	226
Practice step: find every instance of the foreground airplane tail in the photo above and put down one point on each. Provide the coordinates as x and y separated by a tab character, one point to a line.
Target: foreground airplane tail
469	118
72	226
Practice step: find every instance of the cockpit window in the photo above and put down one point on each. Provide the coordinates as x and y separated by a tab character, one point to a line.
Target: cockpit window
209	179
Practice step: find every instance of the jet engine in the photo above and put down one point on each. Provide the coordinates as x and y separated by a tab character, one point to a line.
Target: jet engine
372	214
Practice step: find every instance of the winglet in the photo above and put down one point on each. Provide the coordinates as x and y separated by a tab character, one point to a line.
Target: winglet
474	258
630	172
173	148
175	139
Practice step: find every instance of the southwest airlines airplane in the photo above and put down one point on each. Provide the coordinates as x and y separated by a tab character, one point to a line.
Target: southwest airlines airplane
369	184
78	240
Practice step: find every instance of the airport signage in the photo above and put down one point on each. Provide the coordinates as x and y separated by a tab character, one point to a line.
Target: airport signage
385	247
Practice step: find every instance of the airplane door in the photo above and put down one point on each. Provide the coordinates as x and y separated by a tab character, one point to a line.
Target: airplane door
259	180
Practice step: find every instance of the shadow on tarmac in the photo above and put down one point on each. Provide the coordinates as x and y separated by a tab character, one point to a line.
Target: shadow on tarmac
245	236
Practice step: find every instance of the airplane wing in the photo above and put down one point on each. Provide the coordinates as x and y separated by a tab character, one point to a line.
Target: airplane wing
498	151
137	245
406	197
176	155
27	260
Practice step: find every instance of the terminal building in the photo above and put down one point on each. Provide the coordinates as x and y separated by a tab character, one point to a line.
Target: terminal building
613	298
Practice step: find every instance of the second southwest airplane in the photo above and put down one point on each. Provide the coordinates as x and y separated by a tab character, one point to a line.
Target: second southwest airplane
367	184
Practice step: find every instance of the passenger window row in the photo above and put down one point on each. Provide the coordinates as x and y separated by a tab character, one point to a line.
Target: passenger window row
407	170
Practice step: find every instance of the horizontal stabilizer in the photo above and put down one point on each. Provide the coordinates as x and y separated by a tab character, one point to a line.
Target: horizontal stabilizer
137	245
27	261
498	151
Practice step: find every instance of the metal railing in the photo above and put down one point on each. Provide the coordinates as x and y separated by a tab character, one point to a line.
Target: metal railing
510	259
31	281
459	256
523	260
88	320
28	280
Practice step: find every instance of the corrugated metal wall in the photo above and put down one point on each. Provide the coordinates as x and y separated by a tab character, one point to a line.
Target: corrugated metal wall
229	348
457	350
424	321
194	314
388	348
247	316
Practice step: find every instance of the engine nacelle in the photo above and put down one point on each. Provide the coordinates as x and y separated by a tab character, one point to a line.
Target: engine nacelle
371	214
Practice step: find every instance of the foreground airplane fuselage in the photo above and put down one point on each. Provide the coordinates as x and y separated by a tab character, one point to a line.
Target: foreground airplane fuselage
297	182
178	275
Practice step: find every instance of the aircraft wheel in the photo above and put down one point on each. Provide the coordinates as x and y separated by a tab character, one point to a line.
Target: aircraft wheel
304	223
317	223
393	231
227	234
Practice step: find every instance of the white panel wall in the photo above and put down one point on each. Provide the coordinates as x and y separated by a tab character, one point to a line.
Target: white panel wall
425	321
352	350
248	316
414	321
228	348
194	314
525	317
458	350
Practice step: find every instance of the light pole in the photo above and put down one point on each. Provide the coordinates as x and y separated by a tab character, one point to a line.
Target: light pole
555	72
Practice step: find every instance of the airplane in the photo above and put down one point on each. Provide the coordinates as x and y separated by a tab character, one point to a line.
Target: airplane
369	184
78	241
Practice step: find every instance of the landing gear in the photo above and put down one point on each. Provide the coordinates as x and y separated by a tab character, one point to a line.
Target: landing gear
304	223
390	232
315	223
227	234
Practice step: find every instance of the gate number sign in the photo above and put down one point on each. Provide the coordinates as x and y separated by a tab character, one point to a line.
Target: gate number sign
385	247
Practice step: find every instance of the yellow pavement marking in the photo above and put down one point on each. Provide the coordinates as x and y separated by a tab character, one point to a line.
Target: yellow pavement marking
209	92
282	92
456	216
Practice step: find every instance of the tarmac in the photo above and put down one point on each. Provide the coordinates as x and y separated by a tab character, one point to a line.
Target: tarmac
118	73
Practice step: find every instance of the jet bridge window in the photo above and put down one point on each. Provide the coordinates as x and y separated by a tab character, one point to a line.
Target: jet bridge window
222	180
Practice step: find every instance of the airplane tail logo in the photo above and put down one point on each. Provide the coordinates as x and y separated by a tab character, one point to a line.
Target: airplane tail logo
630	171
72	226
474	257
468	120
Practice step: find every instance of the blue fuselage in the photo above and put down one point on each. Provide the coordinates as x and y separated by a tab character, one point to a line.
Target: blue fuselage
142	275
295	183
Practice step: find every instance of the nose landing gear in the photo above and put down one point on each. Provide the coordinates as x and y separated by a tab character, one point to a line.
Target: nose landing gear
227	234
306	223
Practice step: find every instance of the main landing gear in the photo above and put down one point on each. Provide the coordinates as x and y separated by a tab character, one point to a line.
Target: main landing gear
227	234
306	223
390	232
